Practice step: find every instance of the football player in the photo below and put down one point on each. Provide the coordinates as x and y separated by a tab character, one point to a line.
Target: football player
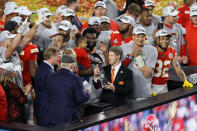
166	56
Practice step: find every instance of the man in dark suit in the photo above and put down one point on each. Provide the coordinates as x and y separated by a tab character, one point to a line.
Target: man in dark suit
66	93
51	58
119	79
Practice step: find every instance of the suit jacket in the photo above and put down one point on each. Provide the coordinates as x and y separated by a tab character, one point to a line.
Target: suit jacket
123	84
66	93
41	101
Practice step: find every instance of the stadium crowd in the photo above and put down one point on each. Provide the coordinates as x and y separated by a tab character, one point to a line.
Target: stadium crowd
51	68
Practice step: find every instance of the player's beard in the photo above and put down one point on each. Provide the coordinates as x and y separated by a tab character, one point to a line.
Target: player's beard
124	31
91	46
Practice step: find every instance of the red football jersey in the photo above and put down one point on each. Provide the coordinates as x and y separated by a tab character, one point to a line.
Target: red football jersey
164	60
117	39
30	53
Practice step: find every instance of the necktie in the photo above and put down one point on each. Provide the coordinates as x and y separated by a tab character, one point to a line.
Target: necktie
112	75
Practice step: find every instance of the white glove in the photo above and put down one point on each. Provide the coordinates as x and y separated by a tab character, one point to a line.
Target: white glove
40	20
23	26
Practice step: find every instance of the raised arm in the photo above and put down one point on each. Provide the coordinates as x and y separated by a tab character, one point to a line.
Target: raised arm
180	73
31	34
12	45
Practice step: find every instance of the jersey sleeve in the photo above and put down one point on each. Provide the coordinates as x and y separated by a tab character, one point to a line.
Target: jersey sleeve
152	57
34	52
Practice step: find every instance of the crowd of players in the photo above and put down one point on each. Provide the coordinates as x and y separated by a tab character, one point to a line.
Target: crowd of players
138	46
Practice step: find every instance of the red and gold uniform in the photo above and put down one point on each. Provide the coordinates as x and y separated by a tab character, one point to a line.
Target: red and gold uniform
116	38
164	60
30	53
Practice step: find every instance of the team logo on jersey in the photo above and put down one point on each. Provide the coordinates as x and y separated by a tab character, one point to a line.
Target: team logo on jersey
115	41
170	55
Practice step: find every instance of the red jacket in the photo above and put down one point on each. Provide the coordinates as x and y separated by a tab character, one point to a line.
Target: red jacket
3	105
183	15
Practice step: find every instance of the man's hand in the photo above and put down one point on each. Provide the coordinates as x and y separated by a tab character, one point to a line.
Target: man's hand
185	59
12	74
40	20
23	26
187	85
96	72
74	68
110	86
179	59
89	91
154	33
136	51
27	89
173	109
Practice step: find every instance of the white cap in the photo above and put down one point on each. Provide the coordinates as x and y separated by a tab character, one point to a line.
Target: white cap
94	20
17	19
104	19
149	3
139	30
60	9
22	10
127	20
44	12
10	7
162	32
8	4
65	25
68	12
170	11
5	35
101	4
8	67
193	10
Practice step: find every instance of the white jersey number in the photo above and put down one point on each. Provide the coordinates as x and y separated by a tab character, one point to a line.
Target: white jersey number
160	70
